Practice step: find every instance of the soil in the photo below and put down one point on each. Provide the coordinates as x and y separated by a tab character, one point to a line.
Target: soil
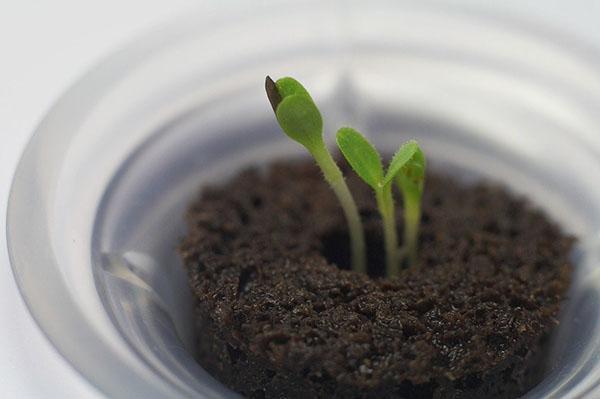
279	317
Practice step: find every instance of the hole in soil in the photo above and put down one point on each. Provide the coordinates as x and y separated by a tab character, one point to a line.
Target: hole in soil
336	249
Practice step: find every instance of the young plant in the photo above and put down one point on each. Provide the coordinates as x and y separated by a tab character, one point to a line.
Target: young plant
301	120
411	180
407	168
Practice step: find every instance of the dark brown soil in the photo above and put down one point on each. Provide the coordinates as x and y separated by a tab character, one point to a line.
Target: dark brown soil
278	319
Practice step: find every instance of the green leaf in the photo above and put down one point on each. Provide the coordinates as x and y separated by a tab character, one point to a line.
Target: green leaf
401	157
296	112
361	155
289	86
411	177
301	120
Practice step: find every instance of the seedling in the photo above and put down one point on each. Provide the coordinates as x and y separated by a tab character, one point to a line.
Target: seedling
301	120
404	168
410	181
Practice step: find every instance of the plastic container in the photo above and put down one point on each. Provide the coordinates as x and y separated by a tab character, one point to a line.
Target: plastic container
97	203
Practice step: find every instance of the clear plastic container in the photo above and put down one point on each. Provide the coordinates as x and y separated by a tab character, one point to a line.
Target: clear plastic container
97	203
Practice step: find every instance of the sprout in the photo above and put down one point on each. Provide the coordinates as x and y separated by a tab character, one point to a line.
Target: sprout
407	168
410	181
301	120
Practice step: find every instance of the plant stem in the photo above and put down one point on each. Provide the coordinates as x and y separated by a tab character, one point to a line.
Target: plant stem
385	203
412	217
335	178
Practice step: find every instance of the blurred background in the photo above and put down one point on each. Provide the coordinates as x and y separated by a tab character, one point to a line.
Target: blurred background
45	46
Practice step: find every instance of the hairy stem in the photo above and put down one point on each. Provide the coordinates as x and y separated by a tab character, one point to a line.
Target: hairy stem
412	217
335	178
385	203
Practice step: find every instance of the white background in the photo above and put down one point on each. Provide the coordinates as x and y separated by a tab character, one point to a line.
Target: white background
44	46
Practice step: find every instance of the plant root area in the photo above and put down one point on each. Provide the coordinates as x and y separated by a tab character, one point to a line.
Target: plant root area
279	315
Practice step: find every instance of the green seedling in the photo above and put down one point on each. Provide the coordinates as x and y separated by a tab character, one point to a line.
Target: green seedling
407	169
301	120
411	180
